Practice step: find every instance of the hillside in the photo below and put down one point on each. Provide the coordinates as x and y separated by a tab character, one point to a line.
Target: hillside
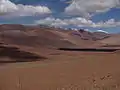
50	37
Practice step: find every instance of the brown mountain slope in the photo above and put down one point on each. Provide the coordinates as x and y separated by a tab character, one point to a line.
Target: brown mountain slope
43	36
11	27
33	37
113	40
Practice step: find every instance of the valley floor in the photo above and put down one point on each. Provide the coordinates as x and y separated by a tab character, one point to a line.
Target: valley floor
64	71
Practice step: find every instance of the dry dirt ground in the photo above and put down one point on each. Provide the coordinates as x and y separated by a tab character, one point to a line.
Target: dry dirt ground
64	71
29	61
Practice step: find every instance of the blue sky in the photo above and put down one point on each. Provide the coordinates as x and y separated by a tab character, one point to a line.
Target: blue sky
89	14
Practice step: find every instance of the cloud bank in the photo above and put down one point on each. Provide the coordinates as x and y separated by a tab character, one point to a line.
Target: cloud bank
87	8
78	22
9	8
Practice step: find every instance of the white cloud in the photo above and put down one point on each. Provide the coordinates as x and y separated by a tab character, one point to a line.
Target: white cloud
52	21
86	8
8	7
78	22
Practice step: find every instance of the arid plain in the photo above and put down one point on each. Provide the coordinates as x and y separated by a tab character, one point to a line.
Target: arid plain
30	59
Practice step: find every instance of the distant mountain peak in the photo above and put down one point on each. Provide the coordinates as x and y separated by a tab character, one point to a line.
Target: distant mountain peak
102	31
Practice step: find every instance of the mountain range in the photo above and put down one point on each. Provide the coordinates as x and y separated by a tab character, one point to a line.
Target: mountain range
45	36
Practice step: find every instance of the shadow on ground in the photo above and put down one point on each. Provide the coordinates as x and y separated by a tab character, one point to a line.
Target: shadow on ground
16	55
89	49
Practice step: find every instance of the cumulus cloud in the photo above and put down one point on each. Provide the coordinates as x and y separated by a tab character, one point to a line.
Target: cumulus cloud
52	21
86	8
8	7
78	22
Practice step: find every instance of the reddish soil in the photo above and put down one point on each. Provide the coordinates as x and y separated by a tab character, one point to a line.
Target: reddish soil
29	60
92	71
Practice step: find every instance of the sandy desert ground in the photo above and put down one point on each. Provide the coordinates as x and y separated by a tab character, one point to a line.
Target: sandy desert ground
64	71
35	64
